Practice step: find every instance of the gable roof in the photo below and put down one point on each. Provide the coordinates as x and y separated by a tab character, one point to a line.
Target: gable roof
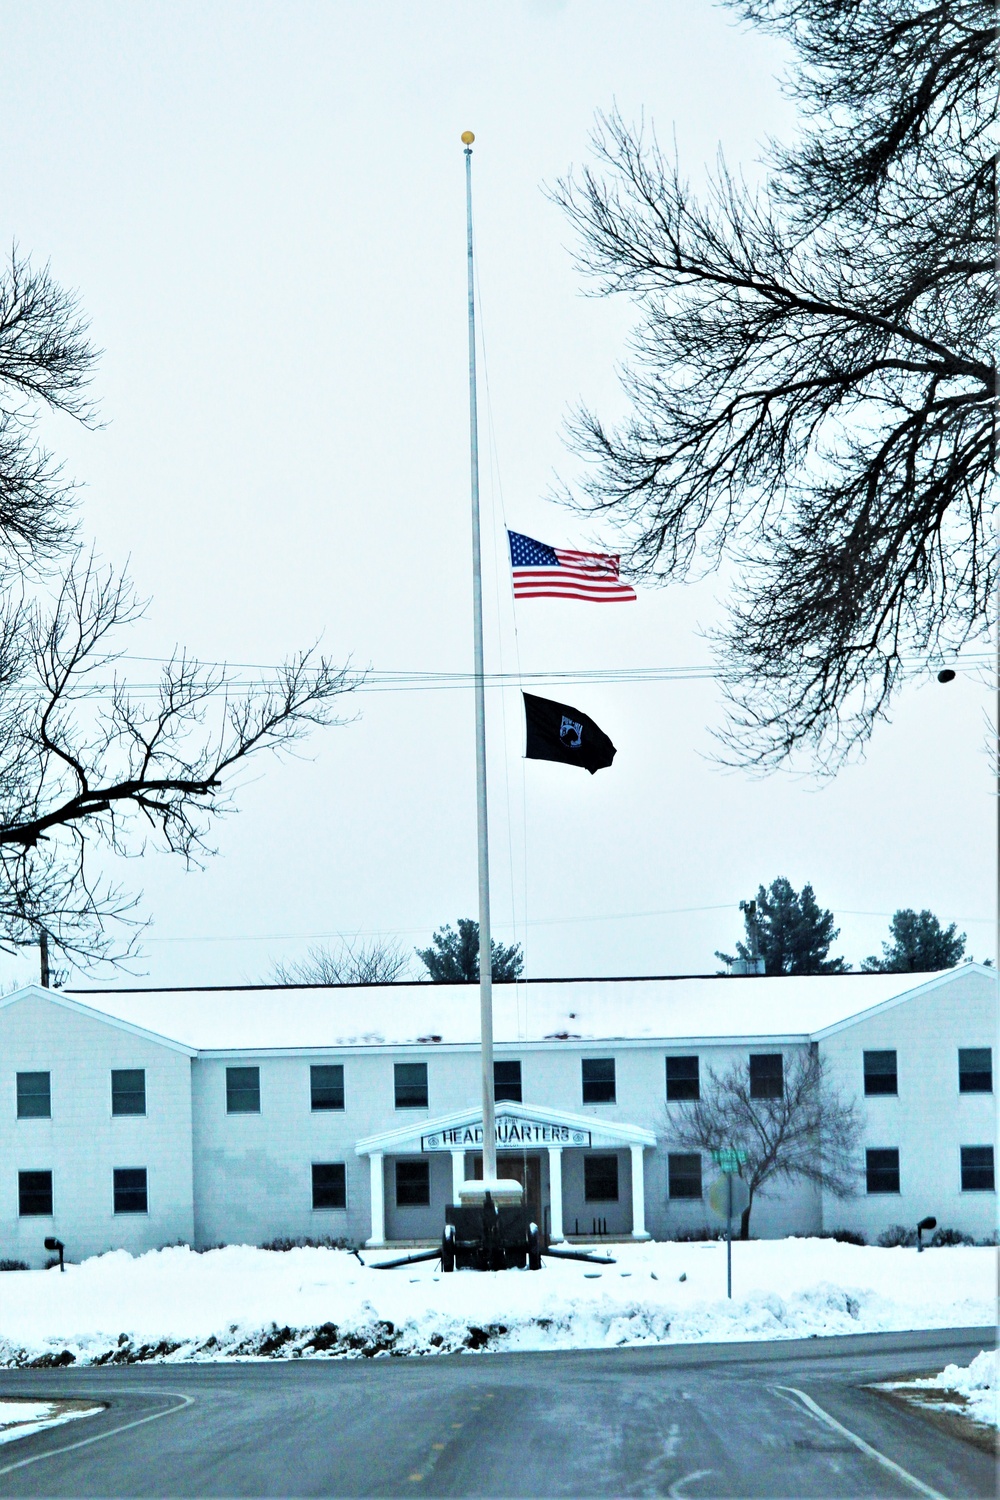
599	1132
107	1018
791	1008
925	987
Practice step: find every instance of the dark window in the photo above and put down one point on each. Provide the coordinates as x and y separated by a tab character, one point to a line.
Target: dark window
128	1091
880	1073
130	1190
413	1184
882	1171
767	1079
34	1194
507	1081
329	1184
975	1070
34	1096
326	1084
243	1091
684	1176
411	1085
682	1078
600	1179
598	1080
977	1169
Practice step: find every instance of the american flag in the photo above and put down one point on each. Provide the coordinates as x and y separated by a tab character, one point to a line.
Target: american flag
542	572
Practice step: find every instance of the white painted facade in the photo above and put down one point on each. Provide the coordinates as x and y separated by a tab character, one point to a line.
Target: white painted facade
213	1175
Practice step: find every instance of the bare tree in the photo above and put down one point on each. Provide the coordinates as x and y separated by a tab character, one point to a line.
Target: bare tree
84	761
378	961
808	1133
812	386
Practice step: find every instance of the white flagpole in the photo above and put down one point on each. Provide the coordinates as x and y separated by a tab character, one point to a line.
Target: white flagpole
482	829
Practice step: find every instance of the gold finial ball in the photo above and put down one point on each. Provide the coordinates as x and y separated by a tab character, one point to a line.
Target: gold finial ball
467	137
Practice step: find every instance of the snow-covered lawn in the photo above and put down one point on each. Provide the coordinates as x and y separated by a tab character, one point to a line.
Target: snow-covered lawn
970	1390
19	1419
239	1301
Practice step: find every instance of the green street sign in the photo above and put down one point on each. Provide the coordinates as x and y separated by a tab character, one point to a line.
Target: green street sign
730	1158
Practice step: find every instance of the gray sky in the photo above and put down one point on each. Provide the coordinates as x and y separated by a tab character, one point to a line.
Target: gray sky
262	208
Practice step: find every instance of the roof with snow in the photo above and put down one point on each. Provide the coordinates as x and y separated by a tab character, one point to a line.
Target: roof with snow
668	1010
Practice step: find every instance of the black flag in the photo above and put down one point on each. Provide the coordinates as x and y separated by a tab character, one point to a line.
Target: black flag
558	732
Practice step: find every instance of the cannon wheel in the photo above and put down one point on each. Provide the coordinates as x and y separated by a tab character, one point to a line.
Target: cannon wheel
448	1248
534	1250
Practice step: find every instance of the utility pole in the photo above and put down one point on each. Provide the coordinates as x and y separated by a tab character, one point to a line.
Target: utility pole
43	950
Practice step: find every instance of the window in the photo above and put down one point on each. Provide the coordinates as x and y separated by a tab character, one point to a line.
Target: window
598	1080
600	1179
975	1070
34	1194
329	1184
34	1097
242	1091
507	1081
977	1169
882	1171
128	1091
767	1079
684	1174
880	1073
130	1190
413	1184
411	1085
326	1085
682	1078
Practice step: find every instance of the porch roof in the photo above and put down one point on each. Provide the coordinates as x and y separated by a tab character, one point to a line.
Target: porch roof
528	1125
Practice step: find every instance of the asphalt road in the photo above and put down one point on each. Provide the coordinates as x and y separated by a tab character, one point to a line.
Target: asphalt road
688	1421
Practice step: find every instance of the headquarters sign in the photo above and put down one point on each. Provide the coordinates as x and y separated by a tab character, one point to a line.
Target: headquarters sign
512	1132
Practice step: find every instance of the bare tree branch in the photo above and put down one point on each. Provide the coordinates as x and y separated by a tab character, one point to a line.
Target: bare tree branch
378	961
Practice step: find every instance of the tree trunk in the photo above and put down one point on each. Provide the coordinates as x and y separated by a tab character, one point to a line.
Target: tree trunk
745	1221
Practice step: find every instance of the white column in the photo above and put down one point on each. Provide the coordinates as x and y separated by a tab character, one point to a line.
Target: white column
638	1196
457	1175
376	1163
555	1193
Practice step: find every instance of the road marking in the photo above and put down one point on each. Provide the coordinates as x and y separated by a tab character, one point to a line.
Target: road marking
861	1445
101	1436
675	1491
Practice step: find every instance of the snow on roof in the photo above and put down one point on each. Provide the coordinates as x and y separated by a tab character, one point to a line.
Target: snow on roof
588	1009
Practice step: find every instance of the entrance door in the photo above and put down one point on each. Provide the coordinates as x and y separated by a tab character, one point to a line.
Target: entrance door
525	1169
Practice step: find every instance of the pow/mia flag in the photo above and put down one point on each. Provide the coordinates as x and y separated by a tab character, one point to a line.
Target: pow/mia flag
558	732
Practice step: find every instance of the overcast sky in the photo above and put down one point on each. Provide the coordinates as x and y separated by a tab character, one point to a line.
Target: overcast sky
262	207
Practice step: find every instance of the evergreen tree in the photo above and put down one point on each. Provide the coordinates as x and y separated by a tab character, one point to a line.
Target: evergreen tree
918	943
453	957
793	934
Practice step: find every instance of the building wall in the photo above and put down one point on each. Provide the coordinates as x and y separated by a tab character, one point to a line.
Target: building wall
929	1121
82	1142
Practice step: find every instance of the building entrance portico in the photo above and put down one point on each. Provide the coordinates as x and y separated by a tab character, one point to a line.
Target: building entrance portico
534	1143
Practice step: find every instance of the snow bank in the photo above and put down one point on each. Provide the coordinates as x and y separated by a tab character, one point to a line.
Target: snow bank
975	1385
20	1419
242	1302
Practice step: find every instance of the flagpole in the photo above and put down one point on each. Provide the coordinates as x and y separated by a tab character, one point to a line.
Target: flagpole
482	827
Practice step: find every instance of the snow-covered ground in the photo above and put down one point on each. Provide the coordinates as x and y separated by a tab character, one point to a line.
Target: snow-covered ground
19	1419
239	1301
970	1389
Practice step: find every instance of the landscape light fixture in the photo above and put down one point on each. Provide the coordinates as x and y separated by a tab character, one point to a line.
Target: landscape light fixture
925	1224
53	1244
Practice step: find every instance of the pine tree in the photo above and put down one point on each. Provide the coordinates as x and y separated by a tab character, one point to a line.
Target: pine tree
453	957
793	934
918	943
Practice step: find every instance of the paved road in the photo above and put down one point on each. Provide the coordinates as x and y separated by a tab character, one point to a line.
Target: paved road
686	1421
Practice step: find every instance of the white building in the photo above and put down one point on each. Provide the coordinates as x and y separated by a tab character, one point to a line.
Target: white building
138	1119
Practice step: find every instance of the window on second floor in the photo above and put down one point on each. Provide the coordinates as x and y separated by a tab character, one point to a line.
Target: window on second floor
880	1073
34	1096
128	1091
767	1075
598	1074
243	1091
507	1081
682	1078
882	1170
410	1080
975	1070
326	1086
